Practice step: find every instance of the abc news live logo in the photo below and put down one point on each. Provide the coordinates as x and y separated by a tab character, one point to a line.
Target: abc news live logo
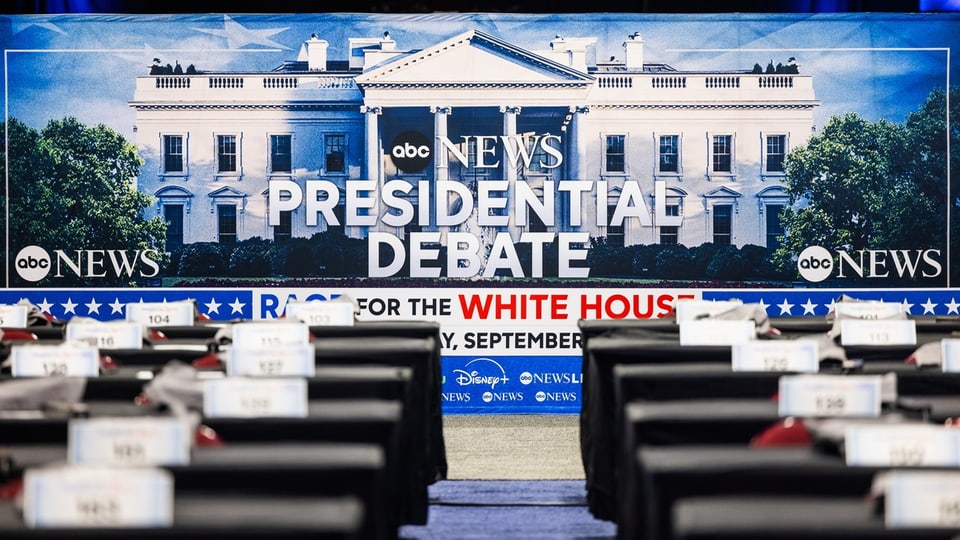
816	263
33	263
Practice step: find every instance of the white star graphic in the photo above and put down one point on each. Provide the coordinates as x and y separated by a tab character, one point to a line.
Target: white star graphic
143	58
928	307
832	306
907	306
20	27
236	306
69	307
93	306
785	307
808	307
953	307
763	305
213	306
45	306
116	306
238	35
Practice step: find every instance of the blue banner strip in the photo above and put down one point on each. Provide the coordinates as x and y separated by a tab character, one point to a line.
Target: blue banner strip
511	384
109	304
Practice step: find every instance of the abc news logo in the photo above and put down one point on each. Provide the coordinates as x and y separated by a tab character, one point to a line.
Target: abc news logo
816	263
33	263
410	151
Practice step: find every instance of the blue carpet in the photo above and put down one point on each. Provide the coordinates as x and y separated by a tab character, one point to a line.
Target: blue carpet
509	509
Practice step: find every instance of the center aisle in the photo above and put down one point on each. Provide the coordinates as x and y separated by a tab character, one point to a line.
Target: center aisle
509	509
511	477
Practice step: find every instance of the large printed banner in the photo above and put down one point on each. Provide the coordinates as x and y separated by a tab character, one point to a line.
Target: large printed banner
503	174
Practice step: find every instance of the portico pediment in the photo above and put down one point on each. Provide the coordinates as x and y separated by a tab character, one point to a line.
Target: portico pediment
472	59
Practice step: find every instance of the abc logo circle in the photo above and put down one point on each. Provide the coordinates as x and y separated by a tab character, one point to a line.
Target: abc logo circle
33	263
526	377
815	264
487	397
410	151
540	396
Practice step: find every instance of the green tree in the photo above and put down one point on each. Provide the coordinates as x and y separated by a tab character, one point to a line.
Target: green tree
928	129
72	187
855	186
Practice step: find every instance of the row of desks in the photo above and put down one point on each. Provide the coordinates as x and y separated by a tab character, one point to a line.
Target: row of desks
665	431
372	439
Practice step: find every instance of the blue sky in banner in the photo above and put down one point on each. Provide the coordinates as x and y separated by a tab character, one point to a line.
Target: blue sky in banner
879	65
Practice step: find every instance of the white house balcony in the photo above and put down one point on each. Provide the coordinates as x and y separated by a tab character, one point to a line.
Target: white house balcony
677	88
245	88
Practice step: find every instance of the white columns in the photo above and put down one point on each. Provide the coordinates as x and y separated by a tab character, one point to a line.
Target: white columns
374	155
509	169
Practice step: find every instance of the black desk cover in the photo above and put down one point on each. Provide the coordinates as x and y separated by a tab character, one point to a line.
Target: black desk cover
654	343
224	517
271	469
664	475
789	518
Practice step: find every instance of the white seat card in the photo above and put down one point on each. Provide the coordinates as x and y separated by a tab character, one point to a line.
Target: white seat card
830	395
102	497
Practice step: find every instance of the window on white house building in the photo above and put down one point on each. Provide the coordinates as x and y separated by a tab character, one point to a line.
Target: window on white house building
670	234
615	154
721	154
173	154
335	152
615	234
722	224
774	225
668	154
775	150
227	224
283	230
227	153
280	156
173	215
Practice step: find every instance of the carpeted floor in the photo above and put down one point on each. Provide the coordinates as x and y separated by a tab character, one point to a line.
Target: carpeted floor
513	447
511	477
507	510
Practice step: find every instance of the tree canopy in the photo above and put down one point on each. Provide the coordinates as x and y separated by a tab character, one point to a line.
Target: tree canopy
872	185
73	187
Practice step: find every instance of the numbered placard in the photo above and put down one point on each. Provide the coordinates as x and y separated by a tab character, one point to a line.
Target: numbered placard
129	441
71	359
798	355
13	316
245	397
716	332
922	499
107	335
321	313
694	309
278	361
100	497
830	395
950	355
154	314
868	310
902	445
270	334
878	332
